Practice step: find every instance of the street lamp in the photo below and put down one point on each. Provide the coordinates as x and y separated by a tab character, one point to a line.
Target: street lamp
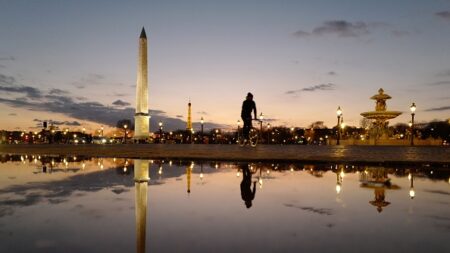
238	129
125	136
201	122
268	133
101	131
413	110
261	117
160	131
339	114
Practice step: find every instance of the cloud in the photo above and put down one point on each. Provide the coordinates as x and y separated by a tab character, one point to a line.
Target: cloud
7	58
399	33
319	87
202	113
59	123
179	116
7	80
301	33
332	73
120	103
81	98
90	79
30	92
59	101
57	92
94	111
438	109
341	28
12	114
8	84
440	83
120	94
443	14
444	73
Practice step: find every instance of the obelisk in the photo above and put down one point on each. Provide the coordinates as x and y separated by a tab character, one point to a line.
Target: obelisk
189	119
141	117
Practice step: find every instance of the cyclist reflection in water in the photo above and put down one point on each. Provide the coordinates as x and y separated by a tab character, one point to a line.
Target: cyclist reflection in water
246	114
247	193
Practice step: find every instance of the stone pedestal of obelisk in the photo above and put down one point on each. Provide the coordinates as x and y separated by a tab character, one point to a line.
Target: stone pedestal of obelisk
141	117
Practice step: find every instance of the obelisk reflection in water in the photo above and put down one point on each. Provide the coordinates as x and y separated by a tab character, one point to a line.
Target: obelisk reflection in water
141	178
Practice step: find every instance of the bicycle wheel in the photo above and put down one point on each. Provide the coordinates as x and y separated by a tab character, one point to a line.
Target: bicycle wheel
241	139
253	137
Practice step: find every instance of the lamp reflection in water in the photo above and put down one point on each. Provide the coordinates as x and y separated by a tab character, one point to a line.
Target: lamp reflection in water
412	193
339	179
141	179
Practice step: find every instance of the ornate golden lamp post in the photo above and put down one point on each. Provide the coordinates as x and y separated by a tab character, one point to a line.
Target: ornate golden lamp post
201	123
413	110
126	133
339	114
261	117
238	129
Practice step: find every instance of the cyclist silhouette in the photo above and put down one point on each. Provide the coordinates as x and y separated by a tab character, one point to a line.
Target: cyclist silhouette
246	114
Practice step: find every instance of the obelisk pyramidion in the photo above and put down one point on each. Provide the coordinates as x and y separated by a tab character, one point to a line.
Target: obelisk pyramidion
141	117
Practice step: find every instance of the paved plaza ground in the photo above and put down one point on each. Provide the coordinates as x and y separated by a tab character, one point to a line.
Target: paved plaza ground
356	154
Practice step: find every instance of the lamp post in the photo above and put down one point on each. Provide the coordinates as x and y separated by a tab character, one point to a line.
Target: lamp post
217	134
101	133
125	134
339	114
160	131
268	133
238	129
413	110
261	117
201	123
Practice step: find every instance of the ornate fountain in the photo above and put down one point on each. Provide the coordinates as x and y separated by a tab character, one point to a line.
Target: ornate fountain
381	115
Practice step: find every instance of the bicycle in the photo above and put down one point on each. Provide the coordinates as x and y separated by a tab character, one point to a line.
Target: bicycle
253	136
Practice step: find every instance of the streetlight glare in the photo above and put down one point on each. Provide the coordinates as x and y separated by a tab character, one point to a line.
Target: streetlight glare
413	108
412	193
339	111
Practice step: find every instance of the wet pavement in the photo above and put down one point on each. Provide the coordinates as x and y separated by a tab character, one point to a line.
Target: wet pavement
85	204
363	154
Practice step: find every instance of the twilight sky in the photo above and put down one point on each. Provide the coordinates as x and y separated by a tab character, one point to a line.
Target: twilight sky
74	62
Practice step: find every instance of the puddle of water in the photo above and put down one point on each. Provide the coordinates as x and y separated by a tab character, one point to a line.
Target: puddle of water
79	204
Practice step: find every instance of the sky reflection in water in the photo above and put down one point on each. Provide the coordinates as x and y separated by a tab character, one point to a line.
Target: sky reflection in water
77	204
